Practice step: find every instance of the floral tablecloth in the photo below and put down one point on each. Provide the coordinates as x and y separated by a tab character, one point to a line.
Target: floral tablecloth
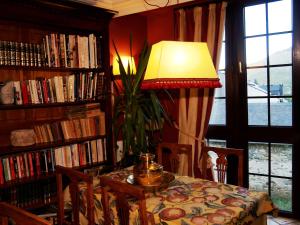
189	200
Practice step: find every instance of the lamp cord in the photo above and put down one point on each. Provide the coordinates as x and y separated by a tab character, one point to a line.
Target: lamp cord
156	5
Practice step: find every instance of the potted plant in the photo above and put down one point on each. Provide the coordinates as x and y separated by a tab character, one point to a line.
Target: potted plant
136	113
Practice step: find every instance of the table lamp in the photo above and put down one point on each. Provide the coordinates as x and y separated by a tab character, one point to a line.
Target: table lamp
177	64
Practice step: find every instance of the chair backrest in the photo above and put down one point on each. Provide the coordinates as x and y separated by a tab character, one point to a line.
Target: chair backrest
168	155
19	216
222	162
122	192
75	178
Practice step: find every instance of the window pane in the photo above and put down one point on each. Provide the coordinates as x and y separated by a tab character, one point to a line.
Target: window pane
258	183
218	115
256	51
280	16
281	80
257	82
258	158
257	111
216	143
281	160
280	49
220	92
222	58
281	111
281	193
255	19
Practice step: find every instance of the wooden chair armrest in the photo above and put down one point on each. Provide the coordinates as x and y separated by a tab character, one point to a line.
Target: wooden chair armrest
19	216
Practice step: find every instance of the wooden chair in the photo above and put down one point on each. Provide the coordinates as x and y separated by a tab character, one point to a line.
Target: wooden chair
222	162
74	177
19	216
168	155
122	192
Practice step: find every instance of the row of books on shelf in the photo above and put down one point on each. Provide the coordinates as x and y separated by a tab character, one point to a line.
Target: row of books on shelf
38	163
74	51
56	50
20	54
70	129
58	89
30	194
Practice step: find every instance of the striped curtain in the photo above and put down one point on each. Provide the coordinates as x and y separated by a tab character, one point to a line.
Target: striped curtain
205	24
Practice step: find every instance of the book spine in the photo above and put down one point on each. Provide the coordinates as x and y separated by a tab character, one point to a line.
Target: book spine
27	54
18	54
16	166
39	91
46	98
1	52
39	54
5	169
22	166
49	161
12	168
7	53
37	164
31	54
12	53
26	165
47	51
1	173
31	167
19	166
42	160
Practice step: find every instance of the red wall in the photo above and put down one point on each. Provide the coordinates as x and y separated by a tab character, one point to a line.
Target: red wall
120	30
160	25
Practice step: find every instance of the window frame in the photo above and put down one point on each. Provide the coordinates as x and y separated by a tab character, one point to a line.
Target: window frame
236	96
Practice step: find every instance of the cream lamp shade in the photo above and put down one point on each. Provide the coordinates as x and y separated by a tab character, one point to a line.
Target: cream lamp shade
177	64
125	61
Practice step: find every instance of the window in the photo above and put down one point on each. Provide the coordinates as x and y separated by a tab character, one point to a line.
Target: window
216	143
218	114
270	170
262	83
268	41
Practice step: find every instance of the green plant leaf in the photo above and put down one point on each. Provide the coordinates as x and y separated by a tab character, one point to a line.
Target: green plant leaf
143	61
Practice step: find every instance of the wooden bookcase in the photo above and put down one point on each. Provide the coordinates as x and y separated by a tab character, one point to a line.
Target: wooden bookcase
29	22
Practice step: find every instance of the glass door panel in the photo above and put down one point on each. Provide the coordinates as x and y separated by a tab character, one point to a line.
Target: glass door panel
268	51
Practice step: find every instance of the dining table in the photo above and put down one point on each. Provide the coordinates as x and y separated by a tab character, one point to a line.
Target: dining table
187	200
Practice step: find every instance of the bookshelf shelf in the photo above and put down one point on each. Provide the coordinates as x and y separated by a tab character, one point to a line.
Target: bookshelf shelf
45	177
5	150
22	181
54	67
32	106
50	69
